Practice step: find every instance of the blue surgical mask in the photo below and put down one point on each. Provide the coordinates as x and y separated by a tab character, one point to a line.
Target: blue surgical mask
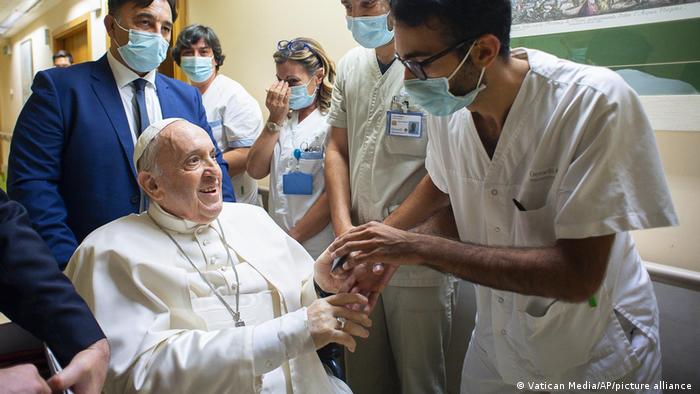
145	51
370	31
434	94
197	68
299	97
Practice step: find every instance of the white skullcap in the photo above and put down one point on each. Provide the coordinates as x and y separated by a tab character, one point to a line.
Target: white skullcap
149	134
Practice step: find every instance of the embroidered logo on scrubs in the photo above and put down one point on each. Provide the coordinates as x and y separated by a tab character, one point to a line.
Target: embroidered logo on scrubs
538	175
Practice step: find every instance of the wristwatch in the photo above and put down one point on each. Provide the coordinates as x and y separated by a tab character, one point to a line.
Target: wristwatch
273	127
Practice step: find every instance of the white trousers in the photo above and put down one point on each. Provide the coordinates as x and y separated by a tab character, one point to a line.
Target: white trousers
479	375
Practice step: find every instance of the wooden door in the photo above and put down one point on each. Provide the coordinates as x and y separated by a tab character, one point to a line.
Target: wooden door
74	37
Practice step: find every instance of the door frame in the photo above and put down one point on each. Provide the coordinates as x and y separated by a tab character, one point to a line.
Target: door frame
79	23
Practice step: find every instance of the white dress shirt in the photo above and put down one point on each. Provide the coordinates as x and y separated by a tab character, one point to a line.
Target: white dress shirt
578	153
124	76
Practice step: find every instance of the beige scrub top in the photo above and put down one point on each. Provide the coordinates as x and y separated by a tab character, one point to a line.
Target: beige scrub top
384	169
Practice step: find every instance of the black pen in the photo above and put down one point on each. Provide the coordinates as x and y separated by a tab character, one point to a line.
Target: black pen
519	205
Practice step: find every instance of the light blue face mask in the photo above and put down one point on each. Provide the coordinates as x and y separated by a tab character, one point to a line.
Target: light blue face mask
145	51
370	31
434	94
197	68
299	97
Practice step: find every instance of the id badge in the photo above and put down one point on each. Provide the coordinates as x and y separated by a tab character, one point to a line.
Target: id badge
298	183
404	124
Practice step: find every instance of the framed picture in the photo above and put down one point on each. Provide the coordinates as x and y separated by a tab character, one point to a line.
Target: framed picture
650	43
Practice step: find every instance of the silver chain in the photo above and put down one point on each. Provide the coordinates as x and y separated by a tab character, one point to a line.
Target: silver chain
235	314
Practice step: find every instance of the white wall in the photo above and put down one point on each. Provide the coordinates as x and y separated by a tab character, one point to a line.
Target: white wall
249	32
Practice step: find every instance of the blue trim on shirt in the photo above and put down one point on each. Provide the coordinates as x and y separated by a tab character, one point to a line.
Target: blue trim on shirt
244	143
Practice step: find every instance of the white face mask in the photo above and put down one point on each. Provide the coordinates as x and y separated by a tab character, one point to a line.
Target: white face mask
145	51
197	68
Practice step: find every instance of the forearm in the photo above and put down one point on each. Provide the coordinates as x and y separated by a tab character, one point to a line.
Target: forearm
554	272
338	185
442	224
237	160
314	221
35	293
423	203
260	155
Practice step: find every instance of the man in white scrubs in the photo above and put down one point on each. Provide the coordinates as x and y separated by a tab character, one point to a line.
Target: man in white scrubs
197	296
233	114
374	159
547	169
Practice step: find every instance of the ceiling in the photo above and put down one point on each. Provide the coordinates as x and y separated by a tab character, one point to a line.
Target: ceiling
38	7
7	6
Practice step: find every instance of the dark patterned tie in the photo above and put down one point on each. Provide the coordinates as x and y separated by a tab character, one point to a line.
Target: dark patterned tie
142	121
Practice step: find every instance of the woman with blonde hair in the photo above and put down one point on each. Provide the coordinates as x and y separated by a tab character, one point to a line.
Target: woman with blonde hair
292	145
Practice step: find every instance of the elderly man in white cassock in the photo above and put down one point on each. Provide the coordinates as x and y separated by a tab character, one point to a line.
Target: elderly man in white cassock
200	296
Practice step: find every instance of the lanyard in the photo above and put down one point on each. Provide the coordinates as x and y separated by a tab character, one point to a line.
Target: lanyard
235	314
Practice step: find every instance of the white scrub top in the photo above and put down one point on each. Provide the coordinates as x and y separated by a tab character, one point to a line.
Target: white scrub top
578	152
384	169
287	210
236	122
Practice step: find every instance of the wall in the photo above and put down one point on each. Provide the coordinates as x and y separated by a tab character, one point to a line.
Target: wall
677	246
249	32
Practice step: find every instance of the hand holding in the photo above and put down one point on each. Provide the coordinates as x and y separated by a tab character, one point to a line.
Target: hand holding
22	379
86	372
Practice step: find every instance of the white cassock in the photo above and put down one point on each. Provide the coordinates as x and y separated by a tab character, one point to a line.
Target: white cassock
168	331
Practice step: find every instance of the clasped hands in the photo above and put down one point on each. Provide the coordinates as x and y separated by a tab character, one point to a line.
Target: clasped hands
375	251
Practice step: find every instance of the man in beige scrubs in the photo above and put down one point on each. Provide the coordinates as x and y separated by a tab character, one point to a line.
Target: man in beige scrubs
375	158
196	295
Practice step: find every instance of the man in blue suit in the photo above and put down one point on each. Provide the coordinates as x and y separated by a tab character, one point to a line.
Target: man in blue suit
70	159
36	295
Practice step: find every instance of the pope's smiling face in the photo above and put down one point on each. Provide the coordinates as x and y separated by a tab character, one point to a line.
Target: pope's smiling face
189	179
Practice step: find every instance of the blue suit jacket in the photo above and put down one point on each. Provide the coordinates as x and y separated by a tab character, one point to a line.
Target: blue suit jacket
71	154
35	294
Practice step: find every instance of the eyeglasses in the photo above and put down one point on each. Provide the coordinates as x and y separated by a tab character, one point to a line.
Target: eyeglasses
287	47
417	68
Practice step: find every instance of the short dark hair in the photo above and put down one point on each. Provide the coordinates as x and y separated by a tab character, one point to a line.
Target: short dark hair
191	35
114	5
63	53
460	19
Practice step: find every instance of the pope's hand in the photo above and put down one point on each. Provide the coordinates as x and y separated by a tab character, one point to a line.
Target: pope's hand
330	282
86	372
277	101
22	379
331	321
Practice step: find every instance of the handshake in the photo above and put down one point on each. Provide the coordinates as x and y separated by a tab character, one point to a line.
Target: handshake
357	266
